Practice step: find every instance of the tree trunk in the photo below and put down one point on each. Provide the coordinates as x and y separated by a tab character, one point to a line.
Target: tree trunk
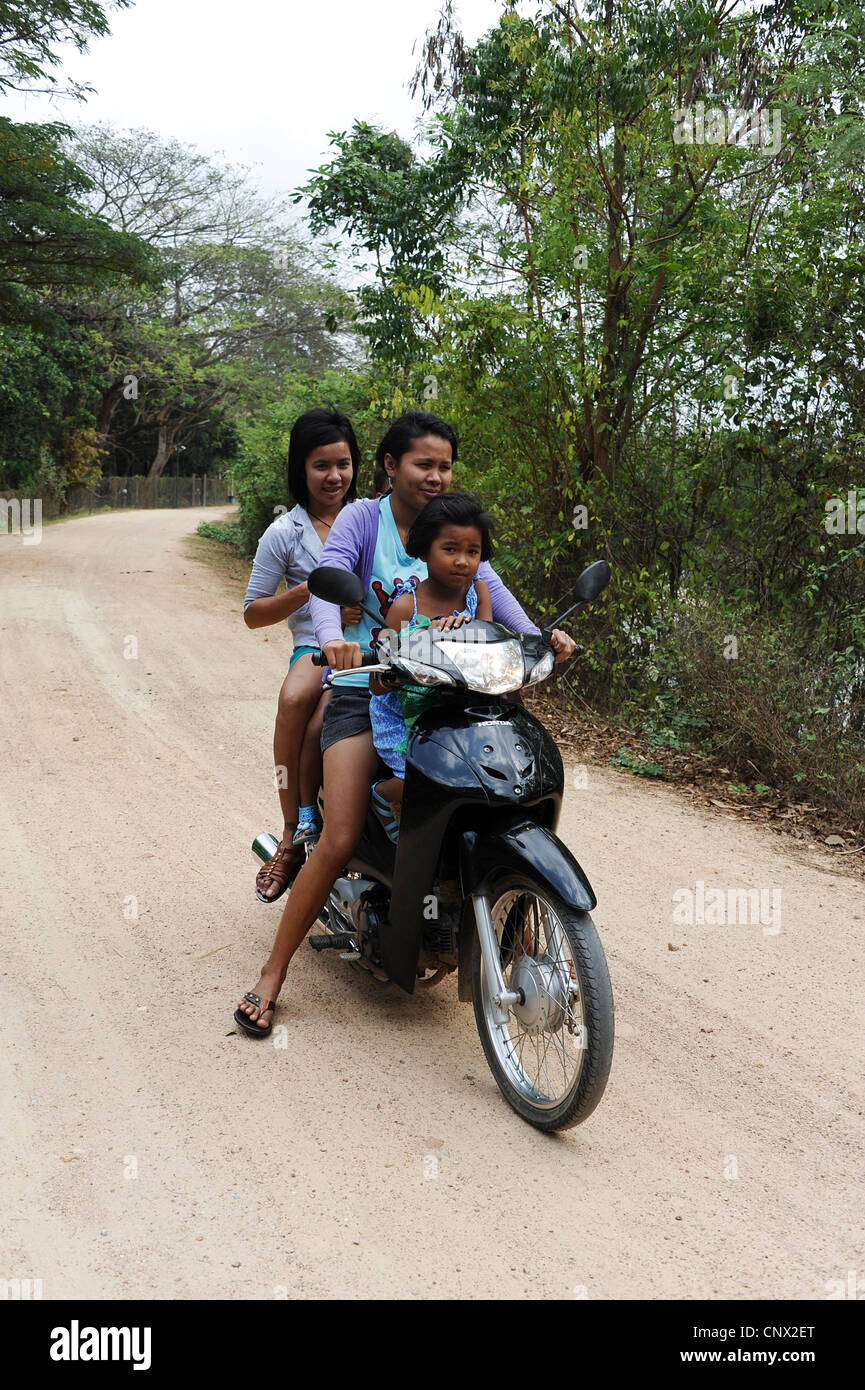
167	433
163	453
108	404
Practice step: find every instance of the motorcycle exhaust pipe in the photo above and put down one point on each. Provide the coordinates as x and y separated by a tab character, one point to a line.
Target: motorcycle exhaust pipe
265	846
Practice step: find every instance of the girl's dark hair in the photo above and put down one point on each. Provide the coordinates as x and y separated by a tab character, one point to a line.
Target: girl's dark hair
451	509
380	481
310	431
414	424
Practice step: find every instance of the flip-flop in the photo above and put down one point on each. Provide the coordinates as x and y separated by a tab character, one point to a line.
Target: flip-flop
389	821
246	1023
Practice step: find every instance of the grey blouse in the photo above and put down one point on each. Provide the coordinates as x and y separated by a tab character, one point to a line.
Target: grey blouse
289	550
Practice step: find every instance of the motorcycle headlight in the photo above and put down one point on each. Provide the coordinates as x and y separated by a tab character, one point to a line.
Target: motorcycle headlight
542	668
425	675
493	667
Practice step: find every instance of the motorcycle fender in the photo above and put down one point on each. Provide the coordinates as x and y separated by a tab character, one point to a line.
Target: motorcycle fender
528	848
523	848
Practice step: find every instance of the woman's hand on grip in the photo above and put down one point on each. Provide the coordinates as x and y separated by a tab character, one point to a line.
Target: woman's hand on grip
563	645
342	656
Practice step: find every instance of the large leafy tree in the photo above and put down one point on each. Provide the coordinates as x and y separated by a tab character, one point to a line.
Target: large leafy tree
52	247
50	242
399	216
239	303
598	281
49	239
619	251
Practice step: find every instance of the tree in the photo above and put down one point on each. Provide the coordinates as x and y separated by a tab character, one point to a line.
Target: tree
52	248
398	212
49	241
615	244
239	302
49	382
606	292
32	30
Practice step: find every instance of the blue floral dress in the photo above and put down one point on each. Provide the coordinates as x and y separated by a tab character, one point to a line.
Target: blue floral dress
392	715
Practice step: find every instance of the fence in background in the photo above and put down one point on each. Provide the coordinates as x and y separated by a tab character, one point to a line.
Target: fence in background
195	491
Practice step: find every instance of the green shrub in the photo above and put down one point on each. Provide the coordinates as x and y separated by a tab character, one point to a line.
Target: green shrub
784	709
228	532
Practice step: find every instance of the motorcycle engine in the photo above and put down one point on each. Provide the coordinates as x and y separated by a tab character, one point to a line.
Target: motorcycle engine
357	905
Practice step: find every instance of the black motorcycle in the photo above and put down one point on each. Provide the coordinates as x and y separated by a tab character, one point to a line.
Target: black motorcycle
478	882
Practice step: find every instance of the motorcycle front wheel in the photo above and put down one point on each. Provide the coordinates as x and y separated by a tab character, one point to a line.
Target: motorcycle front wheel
552	1057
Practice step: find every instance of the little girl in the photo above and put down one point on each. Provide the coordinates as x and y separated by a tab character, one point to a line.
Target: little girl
452	536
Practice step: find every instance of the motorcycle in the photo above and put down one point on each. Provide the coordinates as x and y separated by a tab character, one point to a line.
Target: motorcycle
478	882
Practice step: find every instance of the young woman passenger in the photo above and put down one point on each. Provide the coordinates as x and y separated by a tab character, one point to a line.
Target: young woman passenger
368	538
323	461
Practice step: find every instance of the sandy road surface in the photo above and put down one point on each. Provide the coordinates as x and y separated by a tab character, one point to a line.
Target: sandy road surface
148	1151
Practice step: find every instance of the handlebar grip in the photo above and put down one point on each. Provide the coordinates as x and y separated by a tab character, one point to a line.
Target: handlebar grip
366	659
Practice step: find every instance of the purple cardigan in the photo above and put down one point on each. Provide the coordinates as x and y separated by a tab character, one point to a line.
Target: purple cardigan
351	546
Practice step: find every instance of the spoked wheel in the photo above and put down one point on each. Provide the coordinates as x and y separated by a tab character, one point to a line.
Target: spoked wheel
552	1057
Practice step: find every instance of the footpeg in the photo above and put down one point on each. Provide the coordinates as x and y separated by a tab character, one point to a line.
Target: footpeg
332	941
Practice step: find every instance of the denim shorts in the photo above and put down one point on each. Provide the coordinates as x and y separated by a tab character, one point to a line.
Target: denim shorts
345	714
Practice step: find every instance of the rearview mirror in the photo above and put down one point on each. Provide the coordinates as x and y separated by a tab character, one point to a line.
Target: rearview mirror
592	581
336	585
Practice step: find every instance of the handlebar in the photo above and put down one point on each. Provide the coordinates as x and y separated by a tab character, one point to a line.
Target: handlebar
366	659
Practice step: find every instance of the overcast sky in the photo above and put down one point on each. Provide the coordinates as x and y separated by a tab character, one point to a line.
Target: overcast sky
262	80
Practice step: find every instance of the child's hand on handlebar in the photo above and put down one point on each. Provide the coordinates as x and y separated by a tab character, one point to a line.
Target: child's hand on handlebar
342	656
563	645
448	624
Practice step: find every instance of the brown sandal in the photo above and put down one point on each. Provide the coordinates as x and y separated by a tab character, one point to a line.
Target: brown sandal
282	869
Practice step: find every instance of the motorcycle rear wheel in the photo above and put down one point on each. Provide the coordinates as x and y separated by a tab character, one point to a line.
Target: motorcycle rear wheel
552	1058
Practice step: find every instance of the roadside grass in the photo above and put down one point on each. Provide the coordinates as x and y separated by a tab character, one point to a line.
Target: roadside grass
222	557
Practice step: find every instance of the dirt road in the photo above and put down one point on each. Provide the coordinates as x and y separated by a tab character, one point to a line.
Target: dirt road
147	1151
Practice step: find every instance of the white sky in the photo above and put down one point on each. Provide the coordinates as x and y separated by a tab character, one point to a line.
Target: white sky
261	81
